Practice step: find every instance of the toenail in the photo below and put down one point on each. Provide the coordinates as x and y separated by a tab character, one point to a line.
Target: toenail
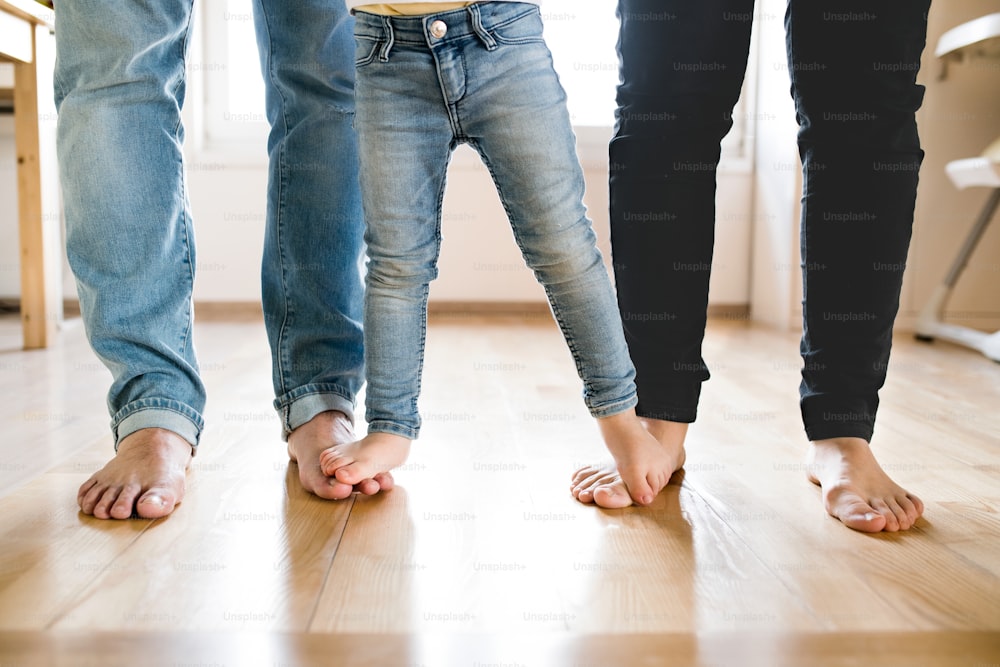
153	499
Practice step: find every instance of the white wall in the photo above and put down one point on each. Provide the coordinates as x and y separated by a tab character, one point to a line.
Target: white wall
479	262
479	259
10	276
959	117
775	275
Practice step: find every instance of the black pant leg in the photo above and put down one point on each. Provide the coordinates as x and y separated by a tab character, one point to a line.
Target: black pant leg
854	72
682	64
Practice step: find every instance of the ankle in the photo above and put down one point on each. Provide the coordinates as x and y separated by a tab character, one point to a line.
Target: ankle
664	430
844	445
155	438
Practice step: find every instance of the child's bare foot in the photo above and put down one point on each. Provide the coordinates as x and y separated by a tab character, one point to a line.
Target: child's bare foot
646	454
856	490
371	457
309	441
144	479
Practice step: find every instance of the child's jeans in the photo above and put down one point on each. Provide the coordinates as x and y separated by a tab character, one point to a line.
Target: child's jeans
481	75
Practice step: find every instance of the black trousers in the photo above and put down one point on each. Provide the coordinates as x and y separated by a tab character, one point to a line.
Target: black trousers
853	68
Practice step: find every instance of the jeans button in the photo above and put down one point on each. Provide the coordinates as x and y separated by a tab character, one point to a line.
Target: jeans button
438	29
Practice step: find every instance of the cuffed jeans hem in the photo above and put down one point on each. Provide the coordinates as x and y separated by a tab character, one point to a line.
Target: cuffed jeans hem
162	413
668	414
613	408
827	416
381	426
840	430
302	404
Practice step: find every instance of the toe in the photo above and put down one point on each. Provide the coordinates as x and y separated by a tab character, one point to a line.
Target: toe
122	509
902	518
891	523
385	480
103	506
91	498
324	487
583	484
584	473
583	493
918	505
337	490
352	473
855	513
612	496
368	487
155	503
85	489
639	489
330	460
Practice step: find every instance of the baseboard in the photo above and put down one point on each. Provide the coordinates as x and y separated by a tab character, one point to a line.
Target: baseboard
248	310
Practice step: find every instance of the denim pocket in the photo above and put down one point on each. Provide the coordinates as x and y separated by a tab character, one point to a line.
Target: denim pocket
523	29
365	50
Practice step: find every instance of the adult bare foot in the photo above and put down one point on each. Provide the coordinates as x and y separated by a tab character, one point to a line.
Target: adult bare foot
646	453
144	479
856	490
372	456
309	441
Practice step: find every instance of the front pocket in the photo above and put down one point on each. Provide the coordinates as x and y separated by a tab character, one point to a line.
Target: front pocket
523	29
366	50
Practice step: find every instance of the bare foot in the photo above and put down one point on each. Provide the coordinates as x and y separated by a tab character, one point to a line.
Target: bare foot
144	479
646	453
856	490
372	456
309	441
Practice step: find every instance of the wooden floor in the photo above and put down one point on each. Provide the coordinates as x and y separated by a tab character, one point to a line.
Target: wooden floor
481	557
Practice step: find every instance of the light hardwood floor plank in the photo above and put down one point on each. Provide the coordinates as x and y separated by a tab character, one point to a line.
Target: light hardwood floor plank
165	649
481	554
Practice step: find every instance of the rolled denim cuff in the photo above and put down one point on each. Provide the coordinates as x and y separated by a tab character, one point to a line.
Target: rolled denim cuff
611	408
300	405
383	426
164	413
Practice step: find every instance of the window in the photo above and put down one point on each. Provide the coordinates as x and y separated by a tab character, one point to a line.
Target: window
582	42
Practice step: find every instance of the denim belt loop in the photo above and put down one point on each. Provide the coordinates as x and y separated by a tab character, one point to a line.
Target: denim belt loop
481	32
390	39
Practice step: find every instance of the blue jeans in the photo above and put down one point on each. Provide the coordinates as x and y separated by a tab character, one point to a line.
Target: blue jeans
120	84
853	72
488	81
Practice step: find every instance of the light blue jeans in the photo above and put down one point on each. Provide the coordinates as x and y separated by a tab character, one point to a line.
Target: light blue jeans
487	81
120	84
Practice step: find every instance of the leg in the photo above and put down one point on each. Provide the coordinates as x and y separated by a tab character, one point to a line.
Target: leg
311	275
518	121
861	154
119	90
405	142
682	66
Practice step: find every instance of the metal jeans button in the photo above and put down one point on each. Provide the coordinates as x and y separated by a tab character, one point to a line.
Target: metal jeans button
438	29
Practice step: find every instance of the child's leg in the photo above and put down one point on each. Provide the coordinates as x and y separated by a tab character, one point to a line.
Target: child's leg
516	117
405	140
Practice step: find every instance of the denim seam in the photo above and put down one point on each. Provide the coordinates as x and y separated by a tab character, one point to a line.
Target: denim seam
185	213
279	186
288	398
